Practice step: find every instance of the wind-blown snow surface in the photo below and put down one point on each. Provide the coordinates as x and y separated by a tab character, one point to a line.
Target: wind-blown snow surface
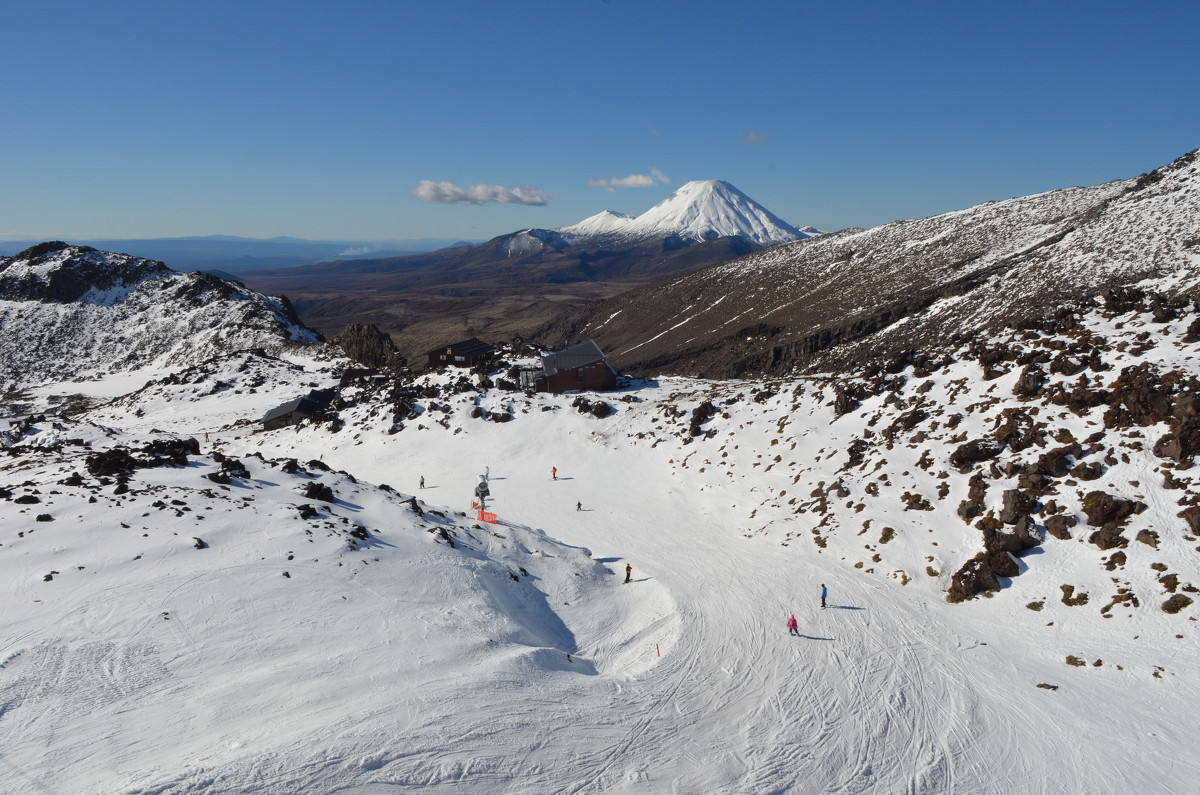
516	660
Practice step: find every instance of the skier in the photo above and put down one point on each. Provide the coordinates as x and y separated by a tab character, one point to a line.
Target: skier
579	506
487	473
554	473
793	626
422	481
206	436
823	592
628	571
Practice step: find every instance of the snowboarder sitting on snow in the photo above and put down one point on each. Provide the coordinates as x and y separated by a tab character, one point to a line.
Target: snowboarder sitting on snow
628	571
793	627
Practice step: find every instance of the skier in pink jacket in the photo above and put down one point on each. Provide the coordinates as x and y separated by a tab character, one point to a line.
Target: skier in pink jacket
792	625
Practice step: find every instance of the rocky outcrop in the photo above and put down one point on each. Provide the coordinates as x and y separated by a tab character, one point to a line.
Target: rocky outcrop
71	312
366	344
58	273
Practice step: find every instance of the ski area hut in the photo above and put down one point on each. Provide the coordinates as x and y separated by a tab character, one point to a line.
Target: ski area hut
296	411
581	366
467	353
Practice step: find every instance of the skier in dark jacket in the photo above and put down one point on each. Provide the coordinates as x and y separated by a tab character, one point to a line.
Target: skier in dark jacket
628	571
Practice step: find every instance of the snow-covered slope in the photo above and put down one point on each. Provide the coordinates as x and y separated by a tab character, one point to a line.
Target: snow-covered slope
516	660
75	311
707	209
605	222
699	210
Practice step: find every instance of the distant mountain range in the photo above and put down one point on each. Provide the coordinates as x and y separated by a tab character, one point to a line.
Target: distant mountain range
241	254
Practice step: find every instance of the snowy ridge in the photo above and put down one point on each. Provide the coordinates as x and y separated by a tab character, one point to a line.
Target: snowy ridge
93	312
605	222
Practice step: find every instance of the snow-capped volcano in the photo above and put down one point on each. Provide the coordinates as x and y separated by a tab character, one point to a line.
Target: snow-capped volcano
708	209
700	210
605	222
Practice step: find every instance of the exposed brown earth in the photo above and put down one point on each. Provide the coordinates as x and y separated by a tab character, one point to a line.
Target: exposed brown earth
487	291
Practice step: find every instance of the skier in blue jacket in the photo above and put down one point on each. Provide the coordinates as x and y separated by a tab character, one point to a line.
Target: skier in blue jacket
823	592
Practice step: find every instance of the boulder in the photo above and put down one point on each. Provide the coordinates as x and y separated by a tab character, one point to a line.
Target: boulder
1108	537
1057	462
1176	603
1017	505
1102	509
971	453
1058	526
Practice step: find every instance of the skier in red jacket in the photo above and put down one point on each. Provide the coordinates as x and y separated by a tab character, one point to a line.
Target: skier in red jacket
792	625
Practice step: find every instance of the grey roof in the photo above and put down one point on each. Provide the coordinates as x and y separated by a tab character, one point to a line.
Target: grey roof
314	401
575	356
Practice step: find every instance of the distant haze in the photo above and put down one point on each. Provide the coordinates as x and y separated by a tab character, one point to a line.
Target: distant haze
240	254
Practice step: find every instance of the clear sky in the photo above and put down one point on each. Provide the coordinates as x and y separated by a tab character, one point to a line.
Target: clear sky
385	120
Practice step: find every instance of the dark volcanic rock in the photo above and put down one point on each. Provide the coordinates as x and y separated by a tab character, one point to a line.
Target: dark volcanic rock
1029	383
1059	526
368	345
1057	462
1103	509
114	461
973	452
1017	505
1087	471
1176	603
319	491
981	574
1108	537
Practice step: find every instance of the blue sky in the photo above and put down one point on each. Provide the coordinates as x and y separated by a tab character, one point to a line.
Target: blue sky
330	120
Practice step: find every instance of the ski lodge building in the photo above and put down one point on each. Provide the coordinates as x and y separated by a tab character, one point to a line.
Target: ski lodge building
296	411
581	366
467	353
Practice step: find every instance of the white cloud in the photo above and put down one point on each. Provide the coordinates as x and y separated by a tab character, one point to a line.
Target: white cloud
632	181
754	138
432	192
